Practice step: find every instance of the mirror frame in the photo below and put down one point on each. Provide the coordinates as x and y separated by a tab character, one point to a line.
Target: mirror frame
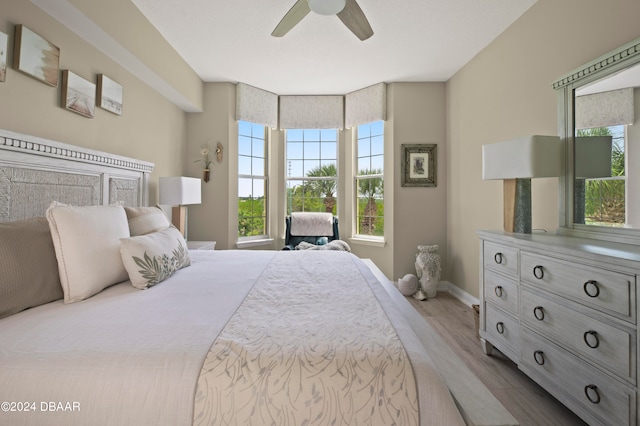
612	62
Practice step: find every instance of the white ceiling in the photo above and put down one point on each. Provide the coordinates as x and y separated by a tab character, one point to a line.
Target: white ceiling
414	40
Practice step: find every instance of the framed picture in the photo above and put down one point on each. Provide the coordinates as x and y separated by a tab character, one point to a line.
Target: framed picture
109	94
419	162
35	56
3	56
78	94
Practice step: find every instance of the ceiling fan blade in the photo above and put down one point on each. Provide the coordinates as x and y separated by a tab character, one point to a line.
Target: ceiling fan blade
291	19
353	17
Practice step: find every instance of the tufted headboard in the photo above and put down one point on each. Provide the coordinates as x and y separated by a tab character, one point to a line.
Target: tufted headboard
35	171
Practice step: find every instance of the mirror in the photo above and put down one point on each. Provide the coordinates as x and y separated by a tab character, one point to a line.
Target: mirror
605	142
598	106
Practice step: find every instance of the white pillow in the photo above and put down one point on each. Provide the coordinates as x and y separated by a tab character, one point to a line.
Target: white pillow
87	245
152	258
145	220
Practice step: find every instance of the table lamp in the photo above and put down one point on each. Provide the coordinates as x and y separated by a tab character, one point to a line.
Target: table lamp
516	162
179	192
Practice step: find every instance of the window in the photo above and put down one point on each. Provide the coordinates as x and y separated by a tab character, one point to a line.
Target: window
312	174
369	180
252	180
604	196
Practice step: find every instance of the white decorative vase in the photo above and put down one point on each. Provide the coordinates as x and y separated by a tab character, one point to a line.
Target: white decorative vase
428	271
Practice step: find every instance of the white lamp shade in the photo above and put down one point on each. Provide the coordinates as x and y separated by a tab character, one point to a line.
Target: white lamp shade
327	7
527	157
179	191
593	157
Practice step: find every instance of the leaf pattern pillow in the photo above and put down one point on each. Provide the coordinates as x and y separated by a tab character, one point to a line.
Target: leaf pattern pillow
152	258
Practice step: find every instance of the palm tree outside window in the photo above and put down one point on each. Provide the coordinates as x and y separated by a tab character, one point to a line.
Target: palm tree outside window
311	170
369	180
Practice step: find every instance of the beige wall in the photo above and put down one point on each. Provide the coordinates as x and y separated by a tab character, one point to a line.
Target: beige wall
151	128
505	92
212	219
417	115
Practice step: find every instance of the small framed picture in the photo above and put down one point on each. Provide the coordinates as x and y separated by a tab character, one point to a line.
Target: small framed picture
419	162
109	95
35	56
78	94
3	56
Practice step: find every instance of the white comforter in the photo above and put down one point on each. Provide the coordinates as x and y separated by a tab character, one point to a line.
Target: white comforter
132	357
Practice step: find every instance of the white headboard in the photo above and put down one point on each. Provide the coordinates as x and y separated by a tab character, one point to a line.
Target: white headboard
35	171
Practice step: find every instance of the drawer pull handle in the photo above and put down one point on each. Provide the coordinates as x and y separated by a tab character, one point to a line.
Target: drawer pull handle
588	285
592	389
587	340
538	312
538	272
538	356
498	258
500	327
499	291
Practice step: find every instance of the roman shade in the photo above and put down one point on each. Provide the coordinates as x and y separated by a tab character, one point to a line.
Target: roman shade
256	106
311	112
366	105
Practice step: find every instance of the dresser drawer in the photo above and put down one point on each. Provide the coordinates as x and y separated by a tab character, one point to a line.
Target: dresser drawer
611	347
582	387
501	291
500	258
502	327
609	291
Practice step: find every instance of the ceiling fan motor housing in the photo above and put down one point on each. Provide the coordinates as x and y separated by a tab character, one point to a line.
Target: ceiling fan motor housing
327	7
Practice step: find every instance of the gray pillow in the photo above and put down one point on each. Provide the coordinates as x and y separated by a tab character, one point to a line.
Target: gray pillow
29	267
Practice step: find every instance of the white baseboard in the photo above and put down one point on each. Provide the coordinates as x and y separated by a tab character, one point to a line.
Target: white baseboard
458	293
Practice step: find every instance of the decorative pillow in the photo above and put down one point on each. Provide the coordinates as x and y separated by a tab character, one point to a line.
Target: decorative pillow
87	245
152	258
29	268
145	220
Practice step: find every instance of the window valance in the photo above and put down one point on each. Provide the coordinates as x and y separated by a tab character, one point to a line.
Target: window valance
256	105
311	112
366	105
605	109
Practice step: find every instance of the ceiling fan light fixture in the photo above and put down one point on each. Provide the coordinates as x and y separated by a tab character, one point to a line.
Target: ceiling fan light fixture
327	7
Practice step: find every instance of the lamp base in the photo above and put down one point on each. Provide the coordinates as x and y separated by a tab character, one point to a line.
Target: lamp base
179	219
517	205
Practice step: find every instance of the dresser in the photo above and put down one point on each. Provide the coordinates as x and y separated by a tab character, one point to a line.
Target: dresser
565	310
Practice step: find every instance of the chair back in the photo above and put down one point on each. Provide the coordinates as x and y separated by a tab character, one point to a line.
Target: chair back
291	240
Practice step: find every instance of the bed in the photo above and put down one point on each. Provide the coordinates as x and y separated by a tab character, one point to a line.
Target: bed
135	329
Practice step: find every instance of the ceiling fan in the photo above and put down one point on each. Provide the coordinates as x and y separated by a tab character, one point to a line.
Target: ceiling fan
348	11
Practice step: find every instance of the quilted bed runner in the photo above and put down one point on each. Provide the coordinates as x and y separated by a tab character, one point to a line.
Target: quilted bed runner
323	354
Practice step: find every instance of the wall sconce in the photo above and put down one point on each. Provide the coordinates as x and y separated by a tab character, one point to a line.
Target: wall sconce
179	192
592	161
516	162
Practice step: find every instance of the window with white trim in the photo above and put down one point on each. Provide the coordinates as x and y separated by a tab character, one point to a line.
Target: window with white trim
369	180
311	170
252	181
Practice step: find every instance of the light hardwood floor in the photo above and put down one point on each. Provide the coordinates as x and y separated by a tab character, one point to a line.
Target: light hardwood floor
523	398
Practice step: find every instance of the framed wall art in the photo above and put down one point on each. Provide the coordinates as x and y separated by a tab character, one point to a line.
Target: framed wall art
3	56
78	94
35	56
419	165
109	95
